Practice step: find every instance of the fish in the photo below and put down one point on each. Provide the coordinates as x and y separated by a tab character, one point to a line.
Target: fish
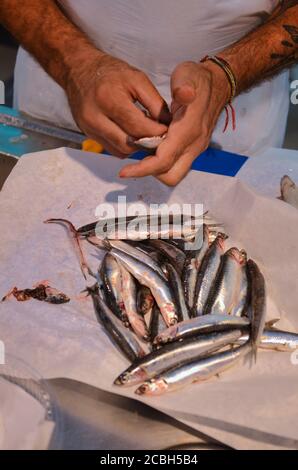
145	300
192	265
274	339
157	284
153	226
110	275
225	291
85	269
129	296
241	307
200	325
199	370
175	354
118	333
150	143
42	292
207	273
257	308
177	289
157	323
172	253
289	191
133	252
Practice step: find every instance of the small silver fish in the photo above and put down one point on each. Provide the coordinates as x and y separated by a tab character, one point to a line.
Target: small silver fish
196	371
175	354
276	340
199	325
177	289
241	306
151	279
118	333
191	267
207	273
110	275
129	295
225	291
257	308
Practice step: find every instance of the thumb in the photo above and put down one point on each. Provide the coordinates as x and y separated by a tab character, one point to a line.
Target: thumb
183	83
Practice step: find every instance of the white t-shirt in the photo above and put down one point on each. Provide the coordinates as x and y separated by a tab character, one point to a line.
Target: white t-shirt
155	36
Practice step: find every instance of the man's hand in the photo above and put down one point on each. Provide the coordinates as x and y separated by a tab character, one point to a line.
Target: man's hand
200	92
102	92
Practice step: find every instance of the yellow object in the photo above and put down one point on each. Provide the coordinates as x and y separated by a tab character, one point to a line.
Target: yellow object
90	145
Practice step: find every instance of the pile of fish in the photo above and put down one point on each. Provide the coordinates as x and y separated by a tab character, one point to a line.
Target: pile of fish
179	315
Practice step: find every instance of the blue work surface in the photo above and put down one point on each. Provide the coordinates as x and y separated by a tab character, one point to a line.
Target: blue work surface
213	161
210	161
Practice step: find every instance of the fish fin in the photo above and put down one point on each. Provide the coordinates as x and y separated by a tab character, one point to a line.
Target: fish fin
271	323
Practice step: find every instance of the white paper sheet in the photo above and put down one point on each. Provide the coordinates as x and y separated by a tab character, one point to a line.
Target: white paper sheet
22	420
257	405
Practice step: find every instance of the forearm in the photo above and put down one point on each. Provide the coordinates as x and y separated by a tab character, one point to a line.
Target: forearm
267	50
42	29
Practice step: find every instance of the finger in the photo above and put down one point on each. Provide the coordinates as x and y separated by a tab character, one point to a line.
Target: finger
182	166
149	97
133	121
103	128
183	83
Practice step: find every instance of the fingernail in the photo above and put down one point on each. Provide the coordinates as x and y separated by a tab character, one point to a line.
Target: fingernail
165	116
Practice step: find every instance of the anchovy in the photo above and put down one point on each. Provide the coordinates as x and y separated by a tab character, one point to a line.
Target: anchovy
275	340
124	247
175	354
192	265
257	309
207	273
150	278
241	306
174	254
225	291
110	274
200	325
145	300
177	289
118	333
197	371
129	295
157	323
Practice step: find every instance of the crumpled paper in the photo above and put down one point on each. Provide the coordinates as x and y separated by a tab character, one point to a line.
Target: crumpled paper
22	420
246	407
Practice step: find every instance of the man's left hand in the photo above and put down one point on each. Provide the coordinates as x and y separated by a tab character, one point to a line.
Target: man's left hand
199	92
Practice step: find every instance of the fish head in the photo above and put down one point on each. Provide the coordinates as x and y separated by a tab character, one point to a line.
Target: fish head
220	241
152	387
239	256
127	379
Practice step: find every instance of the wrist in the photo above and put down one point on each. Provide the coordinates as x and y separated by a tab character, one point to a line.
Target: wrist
220	83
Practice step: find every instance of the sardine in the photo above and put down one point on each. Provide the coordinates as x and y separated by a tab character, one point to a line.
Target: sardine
207	273
191	267
175	354
200	325
197	371
129	295
118	333
225	291
151	279
257	308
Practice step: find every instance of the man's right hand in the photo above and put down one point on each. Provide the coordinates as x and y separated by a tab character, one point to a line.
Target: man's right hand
102	91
